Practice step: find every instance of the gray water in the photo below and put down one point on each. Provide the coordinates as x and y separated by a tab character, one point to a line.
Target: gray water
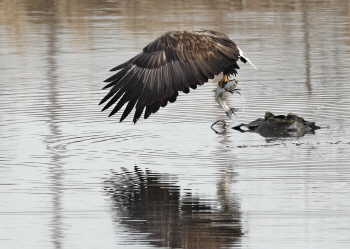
61	179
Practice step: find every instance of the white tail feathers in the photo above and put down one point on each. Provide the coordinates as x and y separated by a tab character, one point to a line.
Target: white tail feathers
245	57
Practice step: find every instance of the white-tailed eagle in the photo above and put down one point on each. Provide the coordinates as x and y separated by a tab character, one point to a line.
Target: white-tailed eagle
175	61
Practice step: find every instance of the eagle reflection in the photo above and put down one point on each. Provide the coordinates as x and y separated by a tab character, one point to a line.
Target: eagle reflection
151	203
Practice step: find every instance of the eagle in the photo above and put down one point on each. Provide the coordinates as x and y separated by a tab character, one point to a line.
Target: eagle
175	61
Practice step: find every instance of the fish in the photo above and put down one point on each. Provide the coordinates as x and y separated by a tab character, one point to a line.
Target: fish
230	86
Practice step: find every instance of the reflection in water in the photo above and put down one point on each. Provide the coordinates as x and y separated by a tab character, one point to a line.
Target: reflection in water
306	29
151	203
56	167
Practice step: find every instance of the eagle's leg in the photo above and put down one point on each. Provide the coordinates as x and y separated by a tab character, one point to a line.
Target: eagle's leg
224	80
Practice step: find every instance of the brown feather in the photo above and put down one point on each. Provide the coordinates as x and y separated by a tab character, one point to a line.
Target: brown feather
176	61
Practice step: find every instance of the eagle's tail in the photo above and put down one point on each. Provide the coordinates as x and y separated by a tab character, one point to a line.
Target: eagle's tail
244	58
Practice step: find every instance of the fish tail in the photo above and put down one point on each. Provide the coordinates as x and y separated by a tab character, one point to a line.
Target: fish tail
230	112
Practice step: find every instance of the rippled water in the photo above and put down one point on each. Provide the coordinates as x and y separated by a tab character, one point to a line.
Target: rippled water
62	182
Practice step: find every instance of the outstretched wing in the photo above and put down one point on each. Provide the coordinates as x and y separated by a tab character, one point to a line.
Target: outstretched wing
174	62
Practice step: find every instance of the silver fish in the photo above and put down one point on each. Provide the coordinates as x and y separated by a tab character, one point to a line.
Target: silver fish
230	86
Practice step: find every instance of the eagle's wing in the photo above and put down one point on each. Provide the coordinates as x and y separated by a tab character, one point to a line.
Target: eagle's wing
173	62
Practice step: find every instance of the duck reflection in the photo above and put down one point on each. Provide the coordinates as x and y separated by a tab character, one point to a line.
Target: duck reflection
151	203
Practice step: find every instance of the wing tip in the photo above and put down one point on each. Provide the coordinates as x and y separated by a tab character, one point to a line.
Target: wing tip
104	108
104	100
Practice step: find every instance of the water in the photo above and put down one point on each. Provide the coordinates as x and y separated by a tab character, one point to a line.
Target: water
61	157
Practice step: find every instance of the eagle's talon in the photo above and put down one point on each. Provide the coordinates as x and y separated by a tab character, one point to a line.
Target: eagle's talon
224	80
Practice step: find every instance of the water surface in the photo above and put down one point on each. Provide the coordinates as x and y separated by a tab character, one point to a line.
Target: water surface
235	189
